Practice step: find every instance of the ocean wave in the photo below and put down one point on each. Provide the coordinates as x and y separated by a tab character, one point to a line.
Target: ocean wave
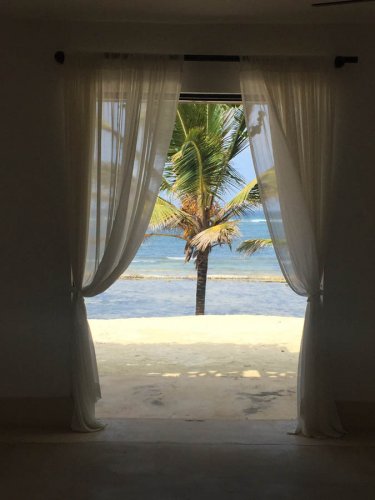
150	261
214	277
256	221
176	258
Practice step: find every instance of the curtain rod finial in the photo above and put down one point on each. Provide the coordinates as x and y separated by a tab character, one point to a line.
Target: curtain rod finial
340	61
60	57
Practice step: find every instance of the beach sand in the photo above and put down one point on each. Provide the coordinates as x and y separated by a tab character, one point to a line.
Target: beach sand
196	368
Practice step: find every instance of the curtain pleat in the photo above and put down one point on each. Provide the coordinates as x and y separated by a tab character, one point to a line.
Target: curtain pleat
119	117
288	104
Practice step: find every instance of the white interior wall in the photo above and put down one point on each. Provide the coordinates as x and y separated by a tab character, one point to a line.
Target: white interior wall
34	297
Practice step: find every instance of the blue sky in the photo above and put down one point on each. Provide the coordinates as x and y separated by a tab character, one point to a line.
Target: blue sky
244	164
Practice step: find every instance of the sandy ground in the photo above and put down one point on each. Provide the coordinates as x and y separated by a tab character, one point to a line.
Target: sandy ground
229	367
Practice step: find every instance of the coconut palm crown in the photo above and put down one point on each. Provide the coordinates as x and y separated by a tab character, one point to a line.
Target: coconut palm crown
198	176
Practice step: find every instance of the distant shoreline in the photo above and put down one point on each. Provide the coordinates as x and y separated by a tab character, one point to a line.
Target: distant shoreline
213	277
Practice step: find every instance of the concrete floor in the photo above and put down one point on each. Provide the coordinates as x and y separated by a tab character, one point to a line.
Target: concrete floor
161	459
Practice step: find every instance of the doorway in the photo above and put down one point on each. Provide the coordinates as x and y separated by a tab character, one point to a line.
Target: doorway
238	361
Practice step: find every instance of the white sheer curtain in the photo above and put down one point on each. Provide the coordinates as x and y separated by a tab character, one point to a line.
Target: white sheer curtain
119	116
288	104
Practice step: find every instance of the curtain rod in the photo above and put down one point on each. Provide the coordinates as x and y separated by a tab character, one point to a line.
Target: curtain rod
339	61
210	97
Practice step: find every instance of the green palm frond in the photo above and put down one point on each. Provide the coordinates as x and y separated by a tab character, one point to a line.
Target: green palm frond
237	138
165	186
167	216
189	165
249	247
245	200
269	182
205	139
220	234
249	194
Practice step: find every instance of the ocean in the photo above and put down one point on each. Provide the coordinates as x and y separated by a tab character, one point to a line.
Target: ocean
159	282
164	256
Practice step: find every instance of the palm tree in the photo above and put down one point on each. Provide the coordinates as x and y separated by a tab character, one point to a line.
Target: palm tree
198	175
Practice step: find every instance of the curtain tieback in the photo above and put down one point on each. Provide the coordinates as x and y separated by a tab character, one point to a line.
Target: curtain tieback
75	292
315	296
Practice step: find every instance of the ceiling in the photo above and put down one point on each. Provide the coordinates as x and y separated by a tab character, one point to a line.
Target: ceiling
192	11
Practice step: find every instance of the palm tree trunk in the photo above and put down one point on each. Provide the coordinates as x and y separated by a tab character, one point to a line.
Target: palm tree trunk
202	265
